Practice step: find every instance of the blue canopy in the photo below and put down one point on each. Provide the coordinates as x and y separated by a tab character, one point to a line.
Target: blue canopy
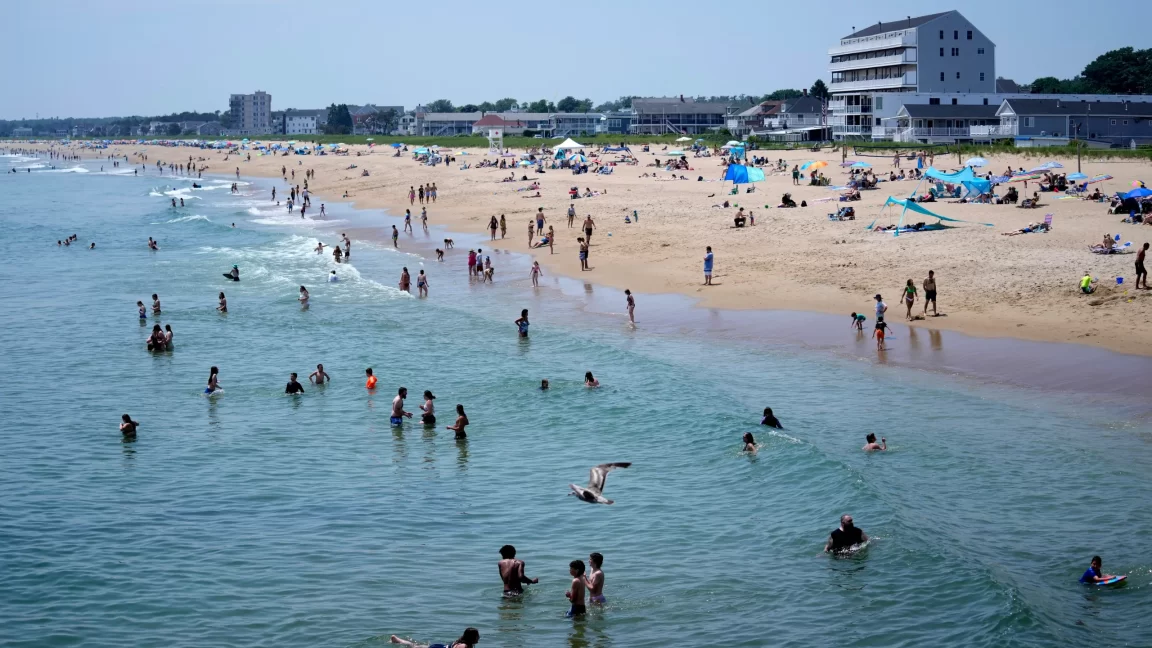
740	174
396	145
1139	192
908	205
966	177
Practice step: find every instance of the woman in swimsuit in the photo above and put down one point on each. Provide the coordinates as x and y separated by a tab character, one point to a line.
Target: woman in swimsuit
461	423
909	297
429	409
223	307
493	225
522	323
405	280
213	380
589	380
128	426
168	336
749	444
422	284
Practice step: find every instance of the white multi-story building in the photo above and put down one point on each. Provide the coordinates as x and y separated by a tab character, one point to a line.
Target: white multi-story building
304	122
251	113
937	53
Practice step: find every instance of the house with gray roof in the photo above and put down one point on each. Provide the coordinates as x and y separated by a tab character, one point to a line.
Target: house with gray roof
1117	121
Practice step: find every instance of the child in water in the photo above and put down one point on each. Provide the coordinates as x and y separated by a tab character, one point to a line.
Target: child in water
881	327
749	442
858	321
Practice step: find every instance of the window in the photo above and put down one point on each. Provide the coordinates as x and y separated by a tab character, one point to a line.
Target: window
969	34
1125	122
880	104
979	50
941	51
982	78
954	101
985	98
1113	122
957	75
941	34
877	121
934	101
956	35
941	76
1028	121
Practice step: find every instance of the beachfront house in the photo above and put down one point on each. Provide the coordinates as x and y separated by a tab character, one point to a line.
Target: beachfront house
660	115
619	122
22	131
251	113
493	122
936	53
937	123
576	124
1053	122
749	120
304	122
801	119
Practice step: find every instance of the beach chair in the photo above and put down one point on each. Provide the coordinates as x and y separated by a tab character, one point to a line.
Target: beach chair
1047	222
940	190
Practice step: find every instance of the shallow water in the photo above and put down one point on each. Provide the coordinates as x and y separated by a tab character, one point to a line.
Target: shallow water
256	518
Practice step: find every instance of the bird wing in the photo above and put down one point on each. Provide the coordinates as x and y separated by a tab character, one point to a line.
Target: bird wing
599	473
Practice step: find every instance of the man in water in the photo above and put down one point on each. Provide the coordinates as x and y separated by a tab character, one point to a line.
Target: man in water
847	536
234	273
871	444
595	579
395	236
332	278
575	594
398	412
293	386
512	572
319	377
1093	575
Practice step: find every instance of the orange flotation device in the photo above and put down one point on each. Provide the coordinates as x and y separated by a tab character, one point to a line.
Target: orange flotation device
371	384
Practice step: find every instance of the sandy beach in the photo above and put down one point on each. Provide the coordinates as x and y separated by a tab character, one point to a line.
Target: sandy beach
795	259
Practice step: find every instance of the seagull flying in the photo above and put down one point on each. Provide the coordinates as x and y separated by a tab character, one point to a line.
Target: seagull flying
594	492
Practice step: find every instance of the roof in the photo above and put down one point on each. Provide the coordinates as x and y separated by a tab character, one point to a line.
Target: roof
950	111
1076	108
762	108
491	119
799	105
305	113
897	25
1007	86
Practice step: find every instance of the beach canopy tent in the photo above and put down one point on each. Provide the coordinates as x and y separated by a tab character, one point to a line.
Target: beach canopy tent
570	144
966	177
1139	192
908	206
740	174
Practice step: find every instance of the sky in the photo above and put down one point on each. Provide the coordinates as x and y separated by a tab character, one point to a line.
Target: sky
77	58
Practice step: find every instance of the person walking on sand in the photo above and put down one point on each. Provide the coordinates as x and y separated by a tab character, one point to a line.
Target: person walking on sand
630	302
583	253
493	225
708	266
503	227
531	231
589	225
1141	272
411	195
930	292
909	298
571	215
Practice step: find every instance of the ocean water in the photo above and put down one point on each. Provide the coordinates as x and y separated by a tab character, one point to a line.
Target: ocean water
258	519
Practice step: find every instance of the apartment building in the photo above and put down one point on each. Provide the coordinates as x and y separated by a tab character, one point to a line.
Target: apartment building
936	53
659	115
251	113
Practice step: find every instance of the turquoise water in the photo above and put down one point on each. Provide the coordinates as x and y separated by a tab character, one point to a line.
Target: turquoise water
256	518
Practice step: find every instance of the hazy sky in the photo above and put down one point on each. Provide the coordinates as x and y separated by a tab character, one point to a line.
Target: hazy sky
130	57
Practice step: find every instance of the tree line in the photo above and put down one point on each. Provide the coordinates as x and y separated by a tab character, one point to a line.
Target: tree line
1120	71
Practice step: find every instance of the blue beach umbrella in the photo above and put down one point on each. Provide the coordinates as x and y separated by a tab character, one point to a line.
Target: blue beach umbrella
1077	176
1139	192
861	165
396	145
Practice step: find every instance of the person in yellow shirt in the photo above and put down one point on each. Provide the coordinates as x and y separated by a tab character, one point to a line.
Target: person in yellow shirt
1086	286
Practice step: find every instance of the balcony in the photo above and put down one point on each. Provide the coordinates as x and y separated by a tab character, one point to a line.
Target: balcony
992	132
792	122
841	129
879	41
908	79
908	56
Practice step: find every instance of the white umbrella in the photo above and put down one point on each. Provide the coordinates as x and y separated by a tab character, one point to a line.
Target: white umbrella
976	162
683	139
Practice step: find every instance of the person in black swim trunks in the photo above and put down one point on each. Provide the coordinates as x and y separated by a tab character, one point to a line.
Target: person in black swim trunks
429	409
233	274
847	536
576	593
1141	272
293	386
930	292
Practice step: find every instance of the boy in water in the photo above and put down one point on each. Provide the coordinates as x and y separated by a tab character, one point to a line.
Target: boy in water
512	572
1093	575
881	327
576	593
319	377
595	579
858	321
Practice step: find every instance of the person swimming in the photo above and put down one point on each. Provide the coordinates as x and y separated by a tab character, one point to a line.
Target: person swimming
213	381
429	409
770	420
233	274
461	423
590	380
128	426
749	444
872	445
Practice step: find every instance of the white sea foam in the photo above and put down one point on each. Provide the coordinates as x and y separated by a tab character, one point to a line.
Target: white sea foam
186	219
75	169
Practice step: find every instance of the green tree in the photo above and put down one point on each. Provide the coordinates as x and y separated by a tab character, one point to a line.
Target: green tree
468	108
339	120
172	130
568	104
584	106
819	90
782	94
487	106
507	103
440	106
1121	71
541	106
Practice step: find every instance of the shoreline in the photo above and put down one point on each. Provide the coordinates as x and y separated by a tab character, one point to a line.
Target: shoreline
764	282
